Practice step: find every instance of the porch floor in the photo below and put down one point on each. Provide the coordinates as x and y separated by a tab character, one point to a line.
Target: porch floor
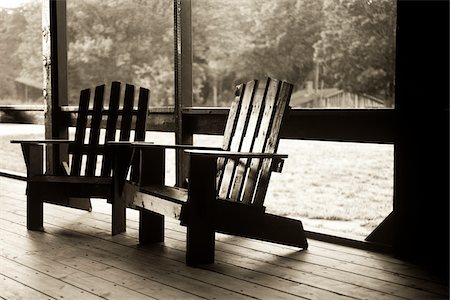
77	258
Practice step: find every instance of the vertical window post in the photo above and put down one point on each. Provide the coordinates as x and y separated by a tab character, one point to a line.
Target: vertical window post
54	46
183	81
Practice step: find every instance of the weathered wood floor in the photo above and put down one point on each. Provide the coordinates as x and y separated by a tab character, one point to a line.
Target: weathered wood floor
76	258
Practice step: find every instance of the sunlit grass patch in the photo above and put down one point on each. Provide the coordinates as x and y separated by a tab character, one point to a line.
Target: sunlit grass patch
342	188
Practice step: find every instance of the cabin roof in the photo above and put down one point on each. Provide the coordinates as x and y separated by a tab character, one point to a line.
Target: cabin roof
303	96
29	82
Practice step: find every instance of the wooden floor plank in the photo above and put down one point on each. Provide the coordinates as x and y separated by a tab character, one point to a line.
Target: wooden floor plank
391	282
174	262
81	243
130	260
71	257
315	257
270	267
305	289
318	282
353	273
215	279
370	259
14	290
46	284
385	286
84	280
373	260
338	255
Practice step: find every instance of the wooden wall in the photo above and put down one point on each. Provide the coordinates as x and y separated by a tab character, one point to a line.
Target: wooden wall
421	194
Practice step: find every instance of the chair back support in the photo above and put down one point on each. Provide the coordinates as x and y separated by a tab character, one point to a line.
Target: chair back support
253	125
116	118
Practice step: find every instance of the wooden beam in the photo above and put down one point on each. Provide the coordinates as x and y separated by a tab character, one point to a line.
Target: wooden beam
21	107
365	125
54	46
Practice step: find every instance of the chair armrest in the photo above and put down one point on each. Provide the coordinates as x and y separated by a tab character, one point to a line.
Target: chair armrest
143	145
167	146
276	163
34	156
40	142
123	143
236	155
147	158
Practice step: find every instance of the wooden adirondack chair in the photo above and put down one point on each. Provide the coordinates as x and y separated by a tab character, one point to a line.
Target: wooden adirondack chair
227	186
84	180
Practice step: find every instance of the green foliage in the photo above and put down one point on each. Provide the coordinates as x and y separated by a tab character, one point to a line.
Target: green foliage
12	23
29	53
283	42
122	40
353	42
243	40
357	46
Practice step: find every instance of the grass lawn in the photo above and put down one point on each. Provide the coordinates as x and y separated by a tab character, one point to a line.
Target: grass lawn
344	189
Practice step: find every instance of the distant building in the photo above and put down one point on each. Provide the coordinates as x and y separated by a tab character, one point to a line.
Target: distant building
28	90
332	98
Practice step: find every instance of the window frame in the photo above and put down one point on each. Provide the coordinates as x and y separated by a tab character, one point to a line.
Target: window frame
385	126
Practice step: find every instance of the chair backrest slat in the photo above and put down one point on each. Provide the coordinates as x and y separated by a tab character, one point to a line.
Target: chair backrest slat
111	125
236	142
253	126
94	134
229	129
233	116
125	126
141	118
260	142
282	104
249	139
80	131
92	149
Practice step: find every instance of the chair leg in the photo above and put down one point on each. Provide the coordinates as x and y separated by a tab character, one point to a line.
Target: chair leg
34	159
201	210
35	213
200	244
118	218
151	227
